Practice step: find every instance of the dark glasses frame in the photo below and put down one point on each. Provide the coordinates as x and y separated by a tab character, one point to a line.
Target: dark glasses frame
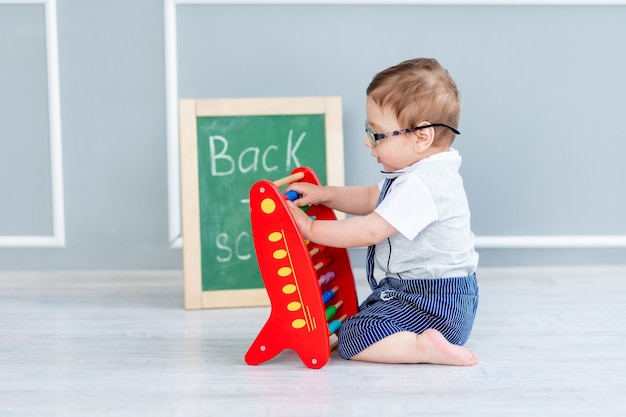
375	137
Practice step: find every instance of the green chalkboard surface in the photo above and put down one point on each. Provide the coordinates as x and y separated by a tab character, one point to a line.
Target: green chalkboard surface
227	146
233	153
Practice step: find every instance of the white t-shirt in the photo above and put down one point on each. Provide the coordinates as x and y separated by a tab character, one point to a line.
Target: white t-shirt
428	206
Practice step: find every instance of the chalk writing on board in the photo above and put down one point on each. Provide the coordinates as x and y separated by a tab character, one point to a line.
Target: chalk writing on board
250	157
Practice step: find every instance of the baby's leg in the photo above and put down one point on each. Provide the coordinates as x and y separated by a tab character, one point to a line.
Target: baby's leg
427	347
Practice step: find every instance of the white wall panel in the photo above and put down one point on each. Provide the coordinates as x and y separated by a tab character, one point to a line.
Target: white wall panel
28	210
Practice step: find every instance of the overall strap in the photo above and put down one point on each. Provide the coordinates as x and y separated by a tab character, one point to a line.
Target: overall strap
371	250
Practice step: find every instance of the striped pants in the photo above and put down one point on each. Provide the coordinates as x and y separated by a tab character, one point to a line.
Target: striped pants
395	305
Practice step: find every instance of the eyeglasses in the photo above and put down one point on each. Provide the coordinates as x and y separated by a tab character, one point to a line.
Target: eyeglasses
375	137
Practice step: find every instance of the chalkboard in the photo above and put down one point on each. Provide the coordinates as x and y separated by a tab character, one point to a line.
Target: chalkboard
226	145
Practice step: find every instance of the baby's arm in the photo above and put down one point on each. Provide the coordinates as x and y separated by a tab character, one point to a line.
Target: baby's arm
348	233
357	200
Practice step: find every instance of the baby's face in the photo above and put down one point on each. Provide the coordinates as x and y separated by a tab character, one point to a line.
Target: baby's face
393	152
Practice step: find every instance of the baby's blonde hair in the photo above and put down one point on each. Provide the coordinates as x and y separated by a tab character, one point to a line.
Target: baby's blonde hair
418	90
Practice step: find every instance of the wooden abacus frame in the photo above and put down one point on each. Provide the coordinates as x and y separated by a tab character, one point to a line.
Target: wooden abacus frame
291	268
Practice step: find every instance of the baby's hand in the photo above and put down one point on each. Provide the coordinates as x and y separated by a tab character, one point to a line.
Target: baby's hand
302	219
309	193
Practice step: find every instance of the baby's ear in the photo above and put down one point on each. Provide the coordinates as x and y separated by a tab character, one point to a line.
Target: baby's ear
424	138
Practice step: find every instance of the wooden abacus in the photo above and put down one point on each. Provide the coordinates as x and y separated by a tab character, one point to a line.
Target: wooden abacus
310	287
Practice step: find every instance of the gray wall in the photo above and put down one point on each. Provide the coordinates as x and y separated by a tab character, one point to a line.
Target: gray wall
542	91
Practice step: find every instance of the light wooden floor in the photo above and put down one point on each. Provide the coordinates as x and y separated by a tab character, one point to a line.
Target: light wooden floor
550	341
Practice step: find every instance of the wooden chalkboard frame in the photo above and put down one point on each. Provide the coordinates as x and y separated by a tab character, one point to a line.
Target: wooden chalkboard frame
191	109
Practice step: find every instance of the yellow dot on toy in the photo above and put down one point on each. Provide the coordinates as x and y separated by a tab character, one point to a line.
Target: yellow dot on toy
298	323
280	254
268	206
289	289
275	236
294	306
284	271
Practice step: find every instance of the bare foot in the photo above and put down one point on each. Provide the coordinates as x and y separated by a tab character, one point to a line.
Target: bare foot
428	347
436	349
